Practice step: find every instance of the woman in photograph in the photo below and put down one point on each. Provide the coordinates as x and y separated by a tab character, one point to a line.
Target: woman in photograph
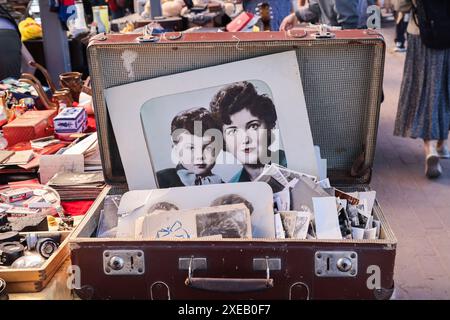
247	119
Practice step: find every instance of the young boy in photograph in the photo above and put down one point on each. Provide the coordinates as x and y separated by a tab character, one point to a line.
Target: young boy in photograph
194	148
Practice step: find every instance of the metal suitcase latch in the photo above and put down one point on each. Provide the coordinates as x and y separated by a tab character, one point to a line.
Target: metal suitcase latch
147	35
323	32
336	263
123	262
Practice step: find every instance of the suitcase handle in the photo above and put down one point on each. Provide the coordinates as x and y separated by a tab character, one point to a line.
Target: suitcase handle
229	284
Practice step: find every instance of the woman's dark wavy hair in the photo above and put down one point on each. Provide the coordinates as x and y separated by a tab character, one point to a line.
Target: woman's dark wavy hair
243	95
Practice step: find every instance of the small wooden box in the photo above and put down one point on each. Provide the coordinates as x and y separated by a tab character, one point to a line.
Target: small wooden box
35	279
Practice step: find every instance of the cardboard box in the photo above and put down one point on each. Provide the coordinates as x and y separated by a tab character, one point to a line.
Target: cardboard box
29	126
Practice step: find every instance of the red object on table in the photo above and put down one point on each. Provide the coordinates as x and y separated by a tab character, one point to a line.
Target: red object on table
92	125
24	182
72	208
79	208
239	22
76	208
31	125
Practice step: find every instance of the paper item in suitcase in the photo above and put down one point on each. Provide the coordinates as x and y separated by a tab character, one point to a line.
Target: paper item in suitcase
257	196
326	218
295	223
152	105
303	193
228	221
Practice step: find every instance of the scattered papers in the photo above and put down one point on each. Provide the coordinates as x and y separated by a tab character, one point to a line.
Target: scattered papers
77	186
295	224
370	196
83	146
257	196
41	143
326	218
5	155
49	165
303	192
228	221
92	162
279	230
19	158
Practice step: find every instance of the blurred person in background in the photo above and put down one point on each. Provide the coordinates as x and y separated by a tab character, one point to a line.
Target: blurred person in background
120	8
11	46
424	104
278	8
401	24
14	56
342	13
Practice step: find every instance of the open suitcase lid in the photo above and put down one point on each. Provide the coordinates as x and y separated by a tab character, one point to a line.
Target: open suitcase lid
342	80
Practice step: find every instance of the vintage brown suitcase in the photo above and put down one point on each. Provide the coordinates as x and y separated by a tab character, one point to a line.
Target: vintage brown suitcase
342	75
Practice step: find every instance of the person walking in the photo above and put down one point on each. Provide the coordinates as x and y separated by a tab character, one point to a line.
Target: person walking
401	24
424	104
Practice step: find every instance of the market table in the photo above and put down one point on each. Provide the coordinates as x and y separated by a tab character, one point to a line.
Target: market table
57	289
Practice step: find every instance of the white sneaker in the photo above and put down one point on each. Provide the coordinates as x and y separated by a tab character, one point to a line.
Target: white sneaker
399	47
433	168
443	152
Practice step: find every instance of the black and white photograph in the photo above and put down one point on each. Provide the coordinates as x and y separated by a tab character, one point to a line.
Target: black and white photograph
213	125
234	223
227	221
302	224
288	219
229	135
256	197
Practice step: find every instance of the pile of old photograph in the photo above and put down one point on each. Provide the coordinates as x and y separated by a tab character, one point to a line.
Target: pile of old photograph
226	152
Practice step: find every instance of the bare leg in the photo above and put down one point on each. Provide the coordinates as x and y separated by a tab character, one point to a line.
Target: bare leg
433	168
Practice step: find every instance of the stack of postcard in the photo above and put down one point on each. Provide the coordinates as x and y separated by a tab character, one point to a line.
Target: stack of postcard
15	158
309	209
77	186
227	221
86	145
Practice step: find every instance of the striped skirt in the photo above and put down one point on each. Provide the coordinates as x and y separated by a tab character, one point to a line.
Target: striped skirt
424	104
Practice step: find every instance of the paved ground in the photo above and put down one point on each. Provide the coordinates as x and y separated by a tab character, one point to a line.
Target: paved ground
417	208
